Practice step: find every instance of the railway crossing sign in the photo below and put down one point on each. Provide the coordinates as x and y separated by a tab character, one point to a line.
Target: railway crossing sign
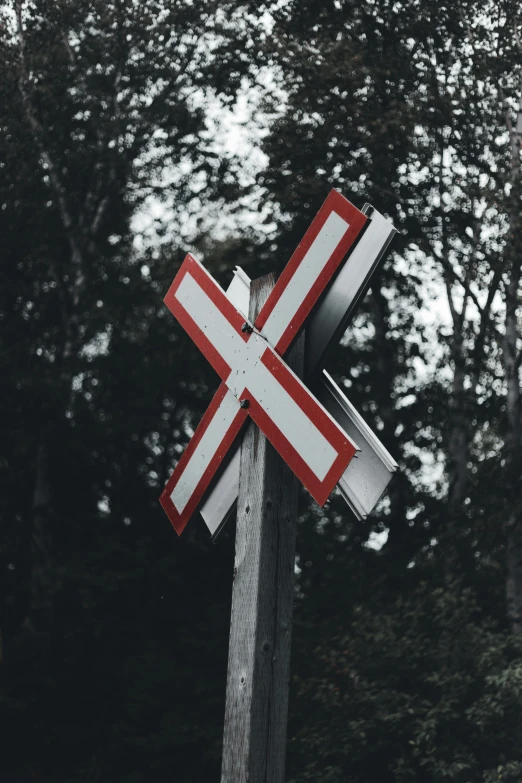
311	424
258	383
317	436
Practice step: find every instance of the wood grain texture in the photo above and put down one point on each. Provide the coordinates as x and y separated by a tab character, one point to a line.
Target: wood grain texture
262	602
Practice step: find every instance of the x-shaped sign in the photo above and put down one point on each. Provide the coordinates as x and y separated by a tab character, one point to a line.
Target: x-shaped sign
256	381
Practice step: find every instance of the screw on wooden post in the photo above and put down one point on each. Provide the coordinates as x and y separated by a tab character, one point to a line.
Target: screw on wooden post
262	601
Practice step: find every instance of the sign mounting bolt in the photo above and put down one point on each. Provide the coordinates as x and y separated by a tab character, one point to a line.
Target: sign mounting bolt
247	328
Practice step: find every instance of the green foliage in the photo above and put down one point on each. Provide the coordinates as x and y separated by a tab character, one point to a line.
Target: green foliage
421	686
103	611
398	104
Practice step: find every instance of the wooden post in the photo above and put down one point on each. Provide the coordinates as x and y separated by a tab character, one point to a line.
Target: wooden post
262	602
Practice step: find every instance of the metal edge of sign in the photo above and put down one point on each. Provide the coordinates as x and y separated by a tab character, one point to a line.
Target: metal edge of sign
331	316
370	436
238	291
220	502
366	478
355	222
217	508
179	516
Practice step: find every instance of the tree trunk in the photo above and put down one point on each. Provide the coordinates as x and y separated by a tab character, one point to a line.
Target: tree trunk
511	361
458	474
386	360
457	471
40	612
79	238
513	452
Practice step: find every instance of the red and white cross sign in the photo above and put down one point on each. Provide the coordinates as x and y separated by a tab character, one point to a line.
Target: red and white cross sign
256	381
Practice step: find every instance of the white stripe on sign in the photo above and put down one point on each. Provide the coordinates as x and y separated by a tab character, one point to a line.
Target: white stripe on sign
210	320
204	451
313	263
247	370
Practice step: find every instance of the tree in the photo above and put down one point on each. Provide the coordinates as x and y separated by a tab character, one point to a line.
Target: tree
398	104
101	98
98	100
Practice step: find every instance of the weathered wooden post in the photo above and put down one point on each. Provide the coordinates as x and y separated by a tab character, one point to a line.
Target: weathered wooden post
262	601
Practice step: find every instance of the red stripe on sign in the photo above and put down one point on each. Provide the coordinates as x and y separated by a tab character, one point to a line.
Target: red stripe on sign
216	294
179	520
320	490
335	202
211	288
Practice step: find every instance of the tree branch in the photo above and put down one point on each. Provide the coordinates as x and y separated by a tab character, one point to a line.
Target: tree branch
513	137
92	194
37	129
71	230
518	42
451	301
448	269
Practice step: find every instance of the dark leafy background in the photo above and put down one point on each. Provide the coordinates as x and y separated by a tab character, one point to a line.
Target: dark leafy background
406	658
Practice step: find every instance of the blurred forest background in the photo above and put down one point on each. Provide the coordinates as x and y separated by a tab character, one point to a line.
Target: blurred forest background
134	131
